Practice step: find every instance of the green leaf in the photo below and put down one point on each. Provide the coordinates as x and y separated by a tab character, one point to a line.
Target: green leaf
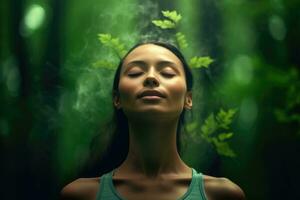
172	15
171	22
224	118
181	40
114	43
212	125
164	24
224	136
104	38
209	126
223	148
198	62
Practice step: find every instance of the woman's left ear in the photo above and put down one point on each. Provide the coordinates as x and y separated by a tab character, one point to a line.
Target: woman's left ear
188	103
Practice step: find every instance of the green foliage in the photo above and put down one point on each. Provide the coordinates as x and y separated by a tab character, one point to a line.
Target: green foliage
171	22
212	131
288	113
164	24
172	15
289	82
181	40
216	124
223	148
224	136
114	43
210	126
224	118
199	62
285	117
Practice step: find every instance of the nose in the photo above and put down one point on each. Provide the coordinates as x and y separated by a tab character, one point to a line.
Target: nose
151	81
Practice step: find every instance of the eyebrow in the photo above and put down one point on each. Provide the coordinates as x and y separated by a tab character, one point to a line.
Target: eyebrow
159	64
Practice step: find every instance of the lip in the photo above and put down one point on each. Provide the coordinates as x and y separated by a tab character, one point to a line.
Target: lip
151	97
151	94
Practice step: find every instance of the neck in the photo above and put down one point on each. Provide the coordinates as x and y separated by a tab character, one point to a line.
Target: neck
152	148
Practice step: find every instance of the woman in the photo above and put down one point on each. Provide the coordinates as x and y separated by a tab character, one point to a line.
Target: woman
152	90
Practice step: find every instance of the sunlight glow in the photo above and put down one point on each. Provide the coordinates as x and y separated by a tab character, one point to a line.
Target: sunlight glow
34	17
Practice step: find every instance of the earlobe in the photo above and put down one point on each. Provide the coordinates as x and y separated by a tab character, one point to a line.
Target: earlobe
188	101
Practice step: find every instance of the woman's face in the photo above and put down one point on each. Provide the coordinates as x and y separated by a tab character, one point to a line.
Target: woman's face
152	83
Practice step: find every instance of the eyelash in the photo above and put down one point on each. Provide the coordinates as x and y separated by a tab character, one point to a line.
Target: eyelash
165	74
168	75
135	74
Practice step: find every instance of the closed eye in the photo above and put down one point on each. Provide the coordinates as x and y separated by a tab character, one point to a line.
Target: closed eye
135	74
168	74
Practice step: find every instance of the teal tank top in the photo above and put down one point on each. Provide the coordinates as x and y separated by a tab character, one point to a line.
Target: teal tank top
195	191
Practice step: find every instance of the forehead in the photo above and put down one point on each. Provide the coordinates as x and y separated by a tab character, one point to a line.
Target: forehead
152	53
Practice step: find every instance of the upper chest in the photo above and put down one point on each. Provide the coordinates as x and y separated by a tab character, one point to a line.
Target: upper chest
152	189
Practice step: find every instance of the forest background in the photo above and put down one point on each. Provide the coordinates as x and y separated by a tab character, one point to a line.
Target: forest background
56	73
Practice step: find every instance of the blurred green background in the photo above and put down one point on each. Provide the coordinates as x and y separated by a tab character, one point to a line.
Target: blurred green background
54	99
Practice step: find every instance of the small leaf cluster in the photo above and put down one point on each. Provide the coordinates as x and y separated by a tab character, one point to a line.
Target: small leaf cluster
198	62
171	22
114	43
164	24
288	113
181	40
215	131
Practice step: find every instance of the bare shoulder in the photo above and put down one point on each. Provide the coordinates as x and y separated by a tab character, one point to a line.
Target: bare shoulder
81	189
222	189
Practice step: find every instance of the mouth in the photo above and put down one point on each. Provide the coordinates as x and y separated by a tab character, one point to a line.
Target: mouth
151	94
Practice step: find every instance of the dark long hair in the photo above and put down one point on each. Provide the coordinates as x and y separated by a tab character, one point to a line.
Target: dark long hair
118	145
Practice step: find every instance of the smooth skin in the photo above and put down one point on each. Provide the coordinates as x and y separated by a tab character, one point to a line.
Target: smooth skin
153	168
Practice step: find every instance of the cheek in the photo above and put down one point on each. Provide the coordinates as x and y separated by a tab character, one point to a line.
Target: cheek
177	90
127	89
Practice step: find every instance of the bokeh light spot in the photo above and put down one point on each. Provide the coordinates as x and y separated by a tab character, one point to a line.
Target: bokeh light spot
248	112
33	20
243	69
35	17
11	76
277	27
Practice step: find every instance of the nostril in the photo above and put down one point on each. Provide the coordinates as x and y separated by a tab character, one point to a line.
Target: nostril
151	81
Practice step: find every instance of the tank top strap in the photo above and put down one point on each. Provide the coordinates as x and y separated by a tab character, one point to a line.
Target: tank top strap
200	185
106	191
196	189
